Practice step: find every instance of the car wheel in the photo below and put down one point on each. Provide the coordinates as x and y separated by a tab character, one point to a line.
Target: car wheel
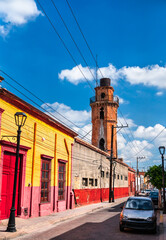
121	228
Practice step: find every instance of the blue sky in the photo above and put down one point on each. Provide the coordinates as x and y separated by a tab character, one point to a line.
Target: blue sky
128	38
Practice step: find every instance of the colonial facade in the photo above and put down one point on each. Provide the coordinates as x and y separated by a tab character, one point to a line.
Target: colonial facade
91	172
104	116
45	161
91	162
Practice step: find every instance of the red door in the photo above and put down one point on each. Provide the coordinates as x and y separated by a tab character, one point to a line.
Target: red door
7	184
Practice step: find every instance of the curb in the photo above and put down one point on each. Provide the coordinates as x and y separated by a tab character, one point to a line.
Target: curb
50	223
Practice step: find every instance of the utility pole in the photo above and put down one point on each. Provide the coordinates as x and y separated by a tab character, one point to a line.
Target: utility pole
114	163
100	178
110	185
138	173
111	193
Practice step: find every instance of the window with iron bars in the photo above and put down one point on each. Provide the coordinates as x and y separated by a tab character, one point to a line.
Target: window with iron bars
45	180
61	181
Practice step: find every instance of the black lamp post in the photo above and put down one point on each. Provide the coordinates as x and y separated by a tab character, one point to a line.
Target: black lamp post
162	151
20	119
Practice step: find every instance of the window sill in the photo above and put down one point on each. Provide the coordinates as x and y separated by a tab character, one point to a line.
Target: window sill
44	203
61	200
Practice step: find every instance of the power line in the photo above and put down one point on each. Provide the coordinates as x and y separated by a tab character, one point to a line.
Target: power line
64	45
129	129
149	142
72	38
42	102
83	36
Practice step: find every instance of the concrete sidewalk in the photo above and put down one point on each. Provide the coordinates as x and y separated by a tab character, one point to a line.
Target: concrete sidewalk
162	226
40	224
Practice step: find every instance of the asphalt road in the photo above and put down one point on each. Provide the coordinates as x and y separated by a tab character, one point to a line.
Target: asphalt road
102	224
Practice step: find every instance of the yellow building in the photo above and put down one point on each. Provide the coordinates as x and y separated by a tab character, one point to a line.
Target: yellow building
45	160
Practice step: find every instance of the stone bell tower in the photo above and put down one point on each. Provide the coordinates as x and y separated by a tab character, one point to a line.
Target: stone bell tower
104	114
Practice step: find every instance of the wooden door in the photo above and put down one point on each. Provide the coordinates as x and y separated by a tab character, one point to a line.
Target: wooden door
8	171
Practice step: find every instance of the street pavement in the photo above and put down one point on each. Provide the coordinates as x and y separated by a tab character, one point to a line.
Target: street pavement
95	221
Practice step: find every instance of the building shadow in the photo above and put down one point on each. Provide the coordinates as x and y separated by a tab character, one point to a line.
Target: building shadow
108	229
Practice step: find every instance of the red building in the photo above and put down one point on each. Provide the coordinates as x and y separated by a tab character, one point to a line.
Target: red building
131	181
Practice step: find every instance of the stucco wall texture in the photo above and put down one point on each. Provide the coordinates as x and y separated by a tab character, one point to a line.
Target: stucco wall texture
91	171
41	139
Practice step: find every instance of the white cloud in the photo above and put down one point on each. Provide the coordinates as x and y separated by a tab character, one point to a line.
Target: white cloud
123	121
85	132
122	101
150	76
151	132
75	76
159	93
139	143
130	150
80	118
16	12
110	72
153	75
4	30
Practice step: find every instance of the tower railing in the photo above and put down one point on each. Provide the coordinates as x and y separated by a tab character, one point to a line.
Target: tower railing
115	99
92	99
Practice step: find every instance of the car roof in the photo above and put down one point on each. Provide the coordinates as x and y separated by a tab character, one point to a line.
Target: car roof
138	198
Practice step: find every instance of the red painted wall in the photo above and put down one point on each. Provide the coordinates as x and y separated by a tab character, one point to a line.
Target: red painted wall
89	196
131	183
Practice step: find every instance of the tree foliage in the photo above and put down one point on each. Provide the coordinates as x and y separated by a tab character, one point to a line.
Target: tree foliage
154	175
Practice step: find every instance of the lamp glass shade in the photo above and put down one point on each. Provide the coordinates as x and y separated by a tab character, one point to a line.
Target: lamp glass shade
20	118
162	150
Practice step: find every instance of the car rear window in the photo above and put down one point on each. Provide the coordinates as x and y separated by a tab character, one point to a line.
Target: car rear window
154	194
139	204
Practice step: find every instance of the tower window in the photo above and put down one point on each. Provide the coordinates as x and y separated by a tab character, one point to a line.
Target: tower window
102	113
101	144
102	95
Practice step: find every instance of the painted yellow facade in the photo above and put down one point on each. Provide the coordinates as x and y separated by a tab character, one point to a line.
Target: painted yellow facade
41	136
45	143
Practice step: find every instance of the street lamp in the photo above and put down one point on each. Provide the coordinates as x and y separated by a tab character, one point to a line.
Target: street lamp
162	151
20	119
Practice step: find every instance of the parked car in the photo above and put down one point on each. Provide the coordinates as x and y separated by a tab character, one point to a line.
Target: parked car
138	213
154	195
147	192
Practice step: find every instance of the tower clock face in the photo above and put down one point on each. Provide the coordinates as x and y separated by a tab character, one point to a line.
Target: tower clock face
102	95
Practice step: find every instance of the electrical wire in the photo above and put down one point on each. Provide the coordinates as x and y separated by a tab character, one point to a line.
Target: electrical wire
72	38
42	102
42	108
83	36
75	62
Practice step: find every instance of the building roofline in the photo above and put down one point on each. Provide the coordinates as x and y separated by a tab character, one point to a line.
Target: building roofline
131	169
90	146
35	112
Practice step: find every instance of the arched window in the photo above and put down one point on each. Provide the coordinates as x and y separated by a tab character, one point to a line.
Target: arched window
102	113
102	95
101	144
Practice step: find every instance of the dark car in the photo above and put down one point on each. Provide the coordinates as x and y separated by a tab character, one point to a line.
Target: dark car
154	195
147	192
138	213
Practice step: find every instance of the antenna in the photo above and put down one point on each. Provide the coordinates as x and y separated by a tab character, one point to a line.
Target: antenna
96	72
